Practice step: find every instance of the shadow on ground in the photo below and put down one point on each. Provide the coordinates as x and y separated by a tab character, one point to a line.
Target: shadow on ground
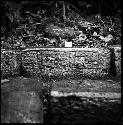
21	102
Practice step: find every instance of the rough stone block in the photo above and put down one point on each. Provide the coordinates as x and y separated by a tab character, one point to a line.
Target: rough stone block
72	54
117	51
95	56
50	61
79	59
80	53
63	54
10	62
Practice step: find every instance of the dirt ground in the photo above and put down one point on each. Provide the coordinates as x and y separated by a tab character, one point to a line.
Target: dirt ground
87	85
76	110
73	109
21	101
85	101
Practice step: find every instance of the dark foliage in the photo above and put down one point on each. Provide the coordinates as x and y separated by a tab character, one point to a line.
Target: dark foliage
24	24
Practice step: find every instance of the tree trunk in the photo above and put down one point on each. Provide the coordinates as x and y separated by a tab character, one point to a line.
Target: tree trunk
64	16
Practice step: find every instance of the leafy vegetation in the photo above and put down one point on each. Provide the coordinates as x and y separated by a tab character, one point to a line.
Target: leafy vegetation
55	24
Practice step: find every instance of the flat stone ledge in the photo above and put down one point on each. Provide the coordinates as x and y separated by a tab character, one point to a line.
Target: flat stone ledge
5	80
88	94
64	49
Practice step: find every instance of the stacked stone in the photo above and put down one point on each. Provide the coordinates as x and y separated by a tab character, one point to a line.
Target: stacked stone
68	63
117	51
10	62
30	62
91	63
61	62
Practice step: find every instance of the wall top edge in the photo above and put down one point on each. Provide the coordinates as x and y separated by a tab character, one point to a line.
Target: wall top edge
60	49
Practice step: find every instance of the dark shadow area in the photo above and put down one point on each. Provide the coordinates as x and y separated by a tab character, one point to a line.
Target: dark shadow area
76	110
112	69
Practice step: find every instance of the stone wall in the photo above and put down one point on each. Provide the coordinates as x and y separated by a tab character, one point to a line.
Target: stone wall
64	62
10	62
61	62
117	51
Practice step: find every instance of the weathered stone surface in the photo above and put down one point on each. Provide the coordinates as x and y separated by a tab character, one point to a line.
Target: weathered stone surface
10	62
30	62
79	53
117	51
60	62
72	54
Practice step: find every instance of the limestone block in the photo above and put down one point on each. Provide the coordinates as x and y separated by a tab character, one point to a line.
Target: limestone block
10	62
95	64
64	62
79	59
63	54
60	61
117	51
81	53
88	65
95	56
72	54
